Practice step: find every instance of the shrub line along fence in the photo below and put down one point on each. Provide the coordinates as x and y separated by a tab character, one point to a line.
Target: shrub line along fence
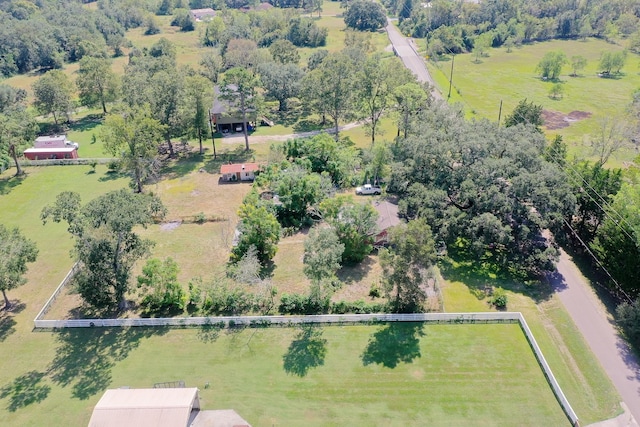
340	319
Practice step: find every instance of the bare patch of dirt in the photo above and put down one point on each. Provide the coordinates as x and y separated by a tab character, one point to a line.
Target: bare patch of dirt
556	120
172	225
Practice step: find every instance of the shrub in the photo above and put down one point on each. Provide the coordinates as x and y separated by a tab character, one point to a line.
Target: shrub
499	299
303	304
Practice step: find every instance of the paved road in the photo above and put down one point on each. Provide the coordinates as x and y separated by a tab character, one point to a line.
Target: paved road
409	56
235	139
596	325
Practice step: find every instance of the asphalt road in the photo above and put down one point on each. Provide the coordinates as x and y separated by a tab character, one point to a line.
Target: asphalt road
406	52
597	327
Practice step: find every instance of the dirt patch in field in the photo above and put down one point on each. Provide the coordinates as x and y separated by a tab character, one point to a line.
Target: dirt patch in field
556	120
167	226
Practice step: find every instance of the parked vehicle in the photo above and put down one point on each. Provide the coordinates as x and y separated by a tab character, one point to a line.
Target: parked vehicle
368	189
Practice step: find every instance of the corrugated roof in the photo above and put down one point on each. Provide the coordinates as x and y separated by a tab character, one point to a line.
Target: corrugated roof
145	407
239	167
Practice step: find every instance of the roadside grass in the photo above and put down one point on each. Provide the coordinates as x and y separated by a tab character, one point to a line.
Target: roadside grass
587	387
379	375
511	77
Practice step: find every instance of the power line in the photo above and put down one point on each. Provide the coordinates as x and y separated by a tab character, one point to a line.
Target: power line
618	286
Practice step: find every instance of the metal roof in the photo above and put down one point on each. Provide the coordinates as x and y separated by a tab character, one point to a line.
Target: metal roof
145	407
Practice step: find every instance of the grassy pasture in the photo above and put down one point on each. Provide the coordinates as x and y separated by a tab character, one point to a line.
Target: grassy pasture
511	77
390	375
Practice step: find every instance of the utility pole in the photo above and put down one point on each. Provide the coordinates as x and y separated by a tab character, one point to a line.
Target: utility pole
213	141
500	113
453	57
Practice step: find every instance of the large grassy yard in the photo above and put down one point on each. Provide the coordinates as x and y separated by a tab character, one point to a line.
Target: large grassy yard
511	77
383	375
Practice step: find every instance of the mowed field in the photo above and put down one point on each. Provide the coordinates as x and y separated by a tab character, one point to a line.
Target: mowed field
382	375
511	77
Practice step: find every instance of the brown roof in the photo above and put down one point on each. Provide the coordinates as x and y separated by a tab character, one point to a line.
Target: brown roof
387	215
239	167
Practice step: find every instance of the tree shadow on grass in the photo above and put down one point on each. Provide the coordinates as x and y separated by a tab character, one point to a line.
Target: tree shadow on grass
87	123
480	276
393	344
356	272
306	351
85	357
7	324
25	390
8	184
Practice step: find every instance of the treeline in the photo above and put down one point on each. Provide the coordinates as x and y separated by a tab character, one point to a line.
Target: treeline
45	34
454	27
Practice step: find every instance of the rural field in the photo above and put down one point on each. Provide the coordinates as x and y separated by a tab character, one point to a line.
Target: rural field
395	374
70	369
390	374
511	77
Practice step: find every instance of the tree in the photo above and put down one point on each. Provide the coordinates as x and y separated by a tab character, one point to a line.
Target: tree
240	53
52	94
97	83
182	18
105	243
485	190
17	128
481	45
198	95
628	316
211	63
332	87
617	243
316	58
297	190
132	135
16	251
239	86
284	52
355	225
594	187
158	285
166	90
406	263
409	99
550	66
612	62
526	113
375	83
578	62
556	91
365	15
322	254
281	81
258	228
612	136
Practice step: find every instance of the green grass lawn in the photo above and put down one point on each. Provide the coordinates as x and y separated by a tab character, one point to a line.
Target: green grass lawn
511	77
384	375
587	387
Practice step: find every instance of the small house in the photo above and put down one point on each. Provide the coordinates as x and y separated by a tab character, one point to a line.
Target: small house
205	14
52	147
237	172
387	218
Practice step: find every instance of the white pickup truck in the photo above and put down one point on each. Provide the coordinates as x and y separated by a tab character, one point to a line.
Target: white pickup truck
368	189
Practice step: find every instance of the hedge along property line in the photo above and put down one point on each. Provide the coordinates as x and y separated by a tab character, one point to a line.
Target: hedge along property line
62	162
266	321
